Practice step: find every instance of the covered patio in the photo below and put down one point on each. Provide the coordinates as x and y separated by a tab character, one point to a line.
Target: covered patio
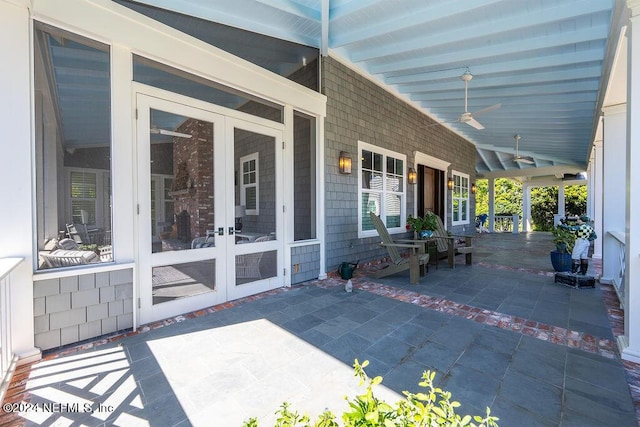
499	333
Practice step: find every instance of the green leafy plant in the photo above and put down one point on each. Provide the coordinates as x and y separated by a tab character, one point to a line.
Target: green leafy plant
90	247
432	407
418	224
564	238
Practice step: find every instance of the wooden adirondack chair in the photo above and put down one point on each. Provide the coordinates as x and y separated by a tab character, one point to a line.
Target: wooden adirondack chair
448	244
399	263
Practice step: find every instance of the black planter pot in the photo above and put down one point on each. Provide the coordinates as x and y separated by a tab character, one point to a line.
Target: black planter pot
561	261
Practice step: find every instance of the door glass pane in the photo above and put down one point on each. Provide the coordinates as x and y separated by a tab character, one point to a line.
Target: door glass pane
182	182
256	266
170	282
255	189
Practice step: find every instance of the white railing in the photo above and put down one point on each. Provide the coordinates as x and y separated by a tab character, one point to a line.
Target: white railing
7	265
503	223
618	276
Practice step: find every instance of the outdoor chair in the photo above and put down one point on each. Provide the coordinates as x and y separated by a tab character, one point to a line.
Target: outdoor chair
398	263
78	232
452	245
248	265
204	242
67	253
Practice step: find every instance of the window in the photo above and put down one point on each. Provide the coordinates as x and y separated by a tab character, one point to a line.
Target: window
72	86
83	197
460	199
249	195
304	177
381	188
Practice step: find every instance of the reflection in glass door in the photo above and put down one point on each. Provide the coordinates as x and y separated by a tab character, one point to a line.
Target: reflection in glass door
210	207
257	209
180	246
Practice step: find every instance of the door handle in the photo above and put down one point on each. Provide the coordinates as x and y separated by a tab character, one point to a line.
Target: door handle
220	231
231	230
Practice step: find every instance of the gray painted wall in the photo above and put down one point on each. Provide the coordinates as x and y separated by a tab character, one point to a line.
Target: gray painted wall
358	109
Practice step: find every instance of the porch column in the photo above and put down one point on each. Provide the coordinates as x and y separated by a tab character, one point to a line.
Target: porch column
594	193
613	188
491	186
632	235
561	200
526	208
15	171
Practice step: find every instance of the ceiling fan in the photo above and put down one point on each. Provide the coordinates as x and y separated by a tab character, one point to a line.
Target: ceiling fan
518	158
155	130
468	117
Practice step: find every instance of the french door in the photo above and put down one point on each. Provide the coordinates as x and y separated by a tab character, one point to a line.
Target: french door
209	184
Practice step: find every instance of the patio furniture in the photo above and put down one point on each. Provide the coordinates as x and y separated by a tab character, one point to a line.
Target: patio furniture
67	252
69	257
399	263
452	245
248	265
83	235
204	242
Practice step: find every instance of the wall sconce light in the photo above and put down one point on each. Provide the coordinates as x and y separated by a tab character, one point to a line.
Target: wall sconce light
450	183
474	189
344	162
413	176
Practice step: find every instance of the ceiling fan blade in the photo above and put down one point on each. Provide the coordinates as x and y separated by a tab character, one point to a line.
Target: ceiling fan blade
473	122
486	109
523	160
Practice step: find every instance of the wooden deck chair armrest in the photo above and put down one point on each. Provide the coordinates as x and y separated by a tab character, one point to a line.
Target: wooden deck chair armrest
462	236
400	245
444	237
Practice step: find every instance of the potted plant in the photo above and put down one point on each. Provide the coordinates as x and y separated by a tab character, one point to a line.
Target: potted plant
423	226
564	239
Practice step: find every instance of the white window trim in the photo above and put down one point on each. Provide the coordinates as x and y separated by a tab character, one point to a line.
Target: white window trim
243	186
100	186
455	173
403	204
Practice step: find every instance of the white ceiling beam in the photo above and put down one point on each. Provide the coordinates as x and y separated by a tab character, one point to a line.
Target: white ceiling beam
592	73
515	113
579	100
351	7
491	30
324	28
512	152
532	172
483	158
411	18
511	66
292	8
555	88
479	54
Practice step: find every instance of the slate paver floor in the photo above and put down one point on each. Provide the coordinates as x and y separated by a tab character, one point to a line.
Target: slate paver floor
497	334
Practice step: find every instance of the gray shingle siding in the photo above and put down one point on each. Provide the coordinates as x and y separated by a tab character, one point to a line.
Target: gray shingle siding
65	312
358	109
305	262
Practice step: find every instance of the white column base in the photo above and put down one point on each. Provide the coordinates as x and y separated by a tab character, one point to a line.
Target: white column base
30	356
626	352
